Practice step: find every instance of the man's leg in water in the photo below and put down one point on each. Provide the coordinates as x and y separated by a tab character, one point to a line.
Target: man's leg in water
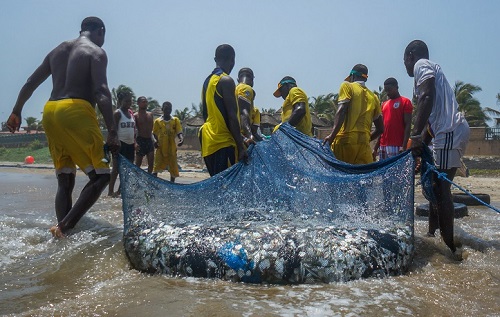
114	176
433	209
89	195
445	208
64	201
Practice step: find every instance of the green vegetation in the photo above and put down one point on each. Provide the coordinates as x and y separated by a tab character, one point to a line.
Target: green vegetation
485	172
17	155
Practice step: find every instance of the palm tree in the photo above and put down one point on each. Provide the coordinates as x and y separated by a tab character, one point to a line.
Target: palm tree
183	114
470	106
270	111
197	111
153	104
381	94
31	123
39	126
324	106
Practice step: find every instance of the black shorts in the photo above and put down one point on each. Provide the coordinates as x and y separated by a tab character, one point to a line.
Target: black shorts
220	160
145	145
127	150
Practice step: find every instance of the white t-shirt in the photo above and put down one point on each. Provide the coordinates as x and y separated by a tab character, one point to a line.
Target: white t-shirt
445	120
126	128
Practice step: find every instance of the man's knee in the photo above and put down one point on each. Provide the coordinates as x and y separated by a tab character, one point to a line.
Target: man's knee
94	177
65	180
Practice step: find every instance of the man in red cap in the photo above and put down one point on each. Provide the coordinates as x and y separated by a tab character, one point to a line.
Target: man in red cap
295	108
358	108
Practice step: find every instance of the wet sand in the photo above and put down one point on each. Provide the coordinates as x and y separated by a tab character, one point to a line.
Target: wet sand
89	274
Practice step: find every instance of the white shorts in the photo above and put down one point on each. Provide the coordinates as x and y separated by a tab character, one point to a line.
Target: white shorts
449	148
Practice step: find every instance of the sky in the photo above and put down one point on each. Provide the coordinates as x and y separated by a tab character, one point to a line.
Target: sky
165	49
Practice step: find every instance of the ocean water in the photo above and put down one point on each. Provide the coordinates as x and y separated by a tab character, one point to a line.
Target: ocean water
88	274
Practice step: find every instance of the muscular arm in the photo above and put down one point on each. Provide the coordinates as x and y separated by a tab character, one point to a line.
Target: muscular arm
425	101
338	121
245	108
98	64
379	128
102	95
226	87
407	124
35	80
116	117
299	111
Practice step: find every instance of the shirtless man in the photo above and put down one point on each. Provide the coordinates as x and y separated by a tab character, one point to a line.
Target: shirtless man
78	70
144	125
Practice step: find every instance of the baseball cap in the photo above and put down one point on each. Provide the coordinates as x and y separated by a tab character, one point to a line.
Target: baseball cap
285	80
358	70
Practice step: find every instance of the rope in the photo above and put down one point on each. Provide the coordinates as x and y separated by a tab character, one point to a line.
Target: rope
443	176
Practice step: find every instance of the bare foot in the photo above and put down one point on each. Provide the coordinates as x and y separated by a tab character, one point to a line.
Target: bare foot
56	232
457	255
111	194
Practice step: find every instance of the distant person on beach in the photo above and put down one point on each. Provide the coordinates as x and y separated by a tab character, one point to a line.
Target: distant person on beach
144	138
78	69
255	124
125	126
396	113
437	118
166	129
295	108
245	96
358	108
221	141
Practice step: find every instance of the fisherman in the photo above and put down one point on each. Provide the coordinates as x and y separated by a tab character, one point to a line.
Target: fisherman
220	136
439	120
245	96
144	125
396	113
358	108
165	130
78	70
295	108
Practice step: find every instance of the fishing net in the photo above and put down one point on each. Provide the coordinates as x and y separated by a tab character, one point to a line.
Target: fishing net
293	214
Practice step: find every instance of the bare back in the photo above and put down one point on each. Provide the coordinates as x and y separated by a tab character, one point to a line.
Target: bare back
72	64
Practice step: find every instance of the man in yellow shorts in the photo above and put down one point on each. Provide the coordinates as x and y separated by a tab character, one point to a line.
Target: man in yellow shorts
358	108
165	129
78	70
295	108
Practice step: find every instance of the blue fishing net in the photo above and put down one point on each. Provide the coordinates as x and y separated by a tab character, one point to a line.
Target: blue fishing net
292	214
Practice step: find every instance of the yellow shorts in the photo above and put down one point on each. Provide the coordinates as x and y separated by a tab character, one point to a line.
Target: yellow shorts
74	136
162	161
353	153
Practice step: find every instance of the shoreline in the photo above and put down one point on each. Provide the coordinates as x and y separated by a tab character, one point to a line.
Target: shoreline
482	184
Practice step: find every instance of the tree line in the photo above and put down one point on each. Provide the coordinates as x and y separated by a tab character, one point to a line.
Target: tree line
323	106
